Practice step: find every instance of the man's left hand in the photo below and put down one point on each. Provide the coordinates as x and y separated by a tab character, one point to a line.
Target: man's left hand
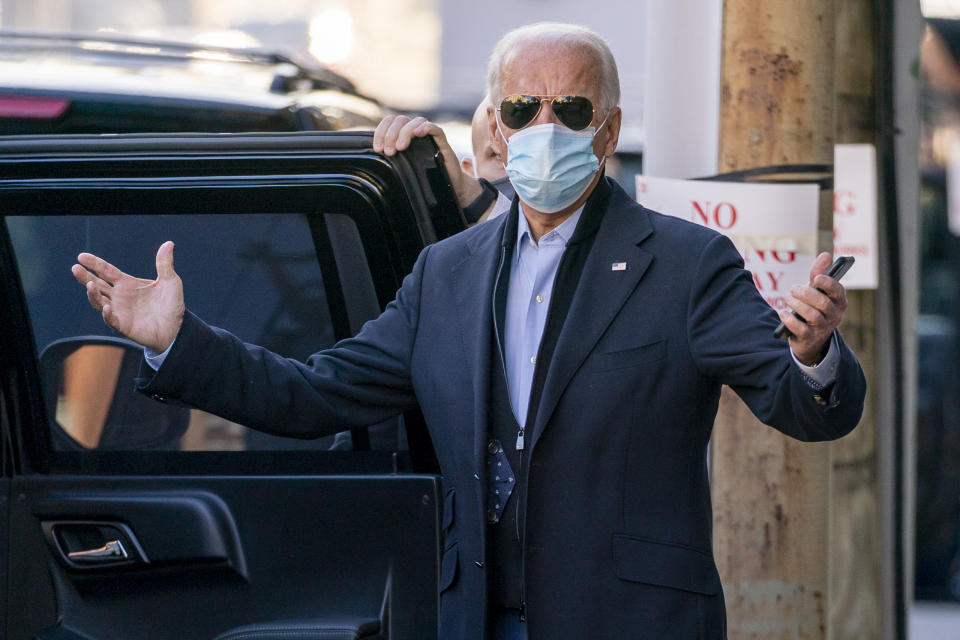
822	303
394	134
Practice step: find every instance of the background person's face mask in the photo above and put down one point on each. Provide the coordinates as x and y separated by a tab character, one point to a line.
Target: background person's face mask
550	166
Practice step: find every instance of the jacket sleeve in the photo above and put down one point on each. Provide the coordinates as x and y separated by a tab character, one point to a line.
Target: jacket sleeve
730	330
358	382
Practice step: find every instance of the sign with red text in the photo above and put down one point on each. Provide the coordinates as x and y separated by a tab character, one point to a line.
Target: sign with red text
774	226
855	212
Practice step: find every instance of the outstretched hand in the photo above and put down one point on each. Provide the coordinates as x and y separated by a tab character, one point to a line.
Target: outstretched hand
821	303
394	133
149	312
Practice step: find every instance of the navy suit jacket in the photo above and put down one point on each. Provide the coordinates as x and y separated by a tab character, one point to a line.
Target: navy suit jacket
618	533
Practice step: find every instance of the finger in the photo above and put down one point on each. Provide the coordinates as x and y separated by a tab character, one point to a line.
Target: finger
429	128
380	133
83	276
406	133
108	317
106	271
831	303
96	296
811	296
165	261
832	289
825	314
820	265
797	327
812	316
390	137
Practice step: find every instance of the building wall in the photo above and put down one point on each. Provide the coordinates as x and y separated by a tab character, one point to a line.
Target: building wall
470	30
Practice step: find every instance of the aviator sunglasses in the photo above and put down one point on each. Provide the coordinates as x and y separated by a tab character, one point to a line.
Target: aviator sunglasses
518	110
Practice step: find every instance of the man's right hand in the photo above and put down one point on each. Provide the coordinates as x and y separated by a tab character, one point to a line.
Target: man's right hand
149	312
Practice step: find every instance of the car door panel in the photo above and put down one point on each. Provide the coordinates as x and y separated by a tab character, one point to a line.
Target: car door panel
4	533
151	529
235	536
225	552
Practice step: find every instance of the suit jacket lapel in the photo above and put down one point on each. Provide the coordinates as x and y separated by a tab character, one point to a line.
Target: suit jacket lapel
601	292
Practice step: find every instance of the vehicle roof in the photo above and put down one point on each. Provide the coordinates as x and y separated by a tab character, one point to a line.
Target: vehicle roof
63	77
149	70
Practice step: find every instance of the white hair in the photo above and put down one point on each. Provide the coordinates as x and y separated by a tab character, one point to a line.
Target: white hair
558	33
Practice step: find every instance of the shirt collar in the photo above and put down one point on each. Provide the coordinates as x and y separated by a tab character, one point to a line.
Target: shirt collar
564	231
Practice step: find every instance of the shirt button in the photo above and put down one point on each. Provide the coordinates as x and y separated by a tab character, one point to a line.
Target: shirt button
539	298
533	359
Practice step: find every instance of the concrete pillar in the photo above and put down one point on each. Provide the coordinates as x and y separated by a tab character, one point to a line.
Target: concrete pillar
856	592
682	40
772	494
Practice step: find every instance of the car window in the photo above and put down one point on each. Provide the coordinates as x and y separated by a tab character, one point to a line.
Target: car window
259	276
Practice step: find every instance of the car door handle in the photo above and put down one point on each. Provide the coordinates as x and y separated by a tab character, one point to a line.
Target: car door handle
111	551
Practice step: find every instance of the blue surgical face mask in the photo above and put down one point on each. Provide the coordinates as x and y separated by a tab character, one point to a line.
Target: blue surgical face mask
550	166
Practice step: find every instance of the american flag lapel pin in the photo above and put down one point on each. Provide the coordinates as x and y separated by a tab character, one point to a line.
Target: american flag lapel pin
619	266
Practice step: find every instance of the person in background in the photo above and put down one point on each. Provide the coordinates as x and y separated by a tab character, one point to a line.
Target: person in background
485	168
485	162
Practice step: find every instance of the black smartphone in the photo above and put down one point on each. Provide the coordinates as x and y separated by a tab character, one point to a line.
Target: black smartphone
839	267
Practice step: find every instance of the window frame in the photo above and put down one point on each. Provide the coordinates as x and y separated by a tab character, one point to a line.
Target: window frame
405	202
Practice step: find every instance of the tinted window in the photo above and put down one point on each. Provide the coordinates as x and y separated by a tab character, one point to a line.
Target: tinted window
257	275
120	114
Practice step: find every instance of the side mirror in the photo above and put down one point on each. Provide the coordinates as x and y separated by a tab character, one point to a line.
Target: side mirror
91	402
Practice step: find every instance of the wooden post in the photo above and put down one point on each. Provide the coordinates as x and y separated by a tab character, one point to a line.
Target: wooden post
772	494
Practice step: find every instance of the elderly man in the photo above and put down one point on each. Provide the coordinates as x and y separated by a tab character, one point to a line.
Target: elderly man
568	359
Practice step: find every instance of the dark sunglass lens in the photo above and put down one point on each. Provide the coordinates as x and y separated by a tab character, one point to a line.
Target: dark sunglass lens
517	111
575	112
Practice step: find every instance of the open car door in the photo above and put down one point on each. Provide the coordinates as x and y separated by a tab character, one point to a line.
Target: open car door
129	518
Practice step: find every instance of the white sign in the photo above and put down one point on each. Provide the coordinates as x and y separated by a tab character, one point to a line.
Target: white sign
953	186
774	226
855	212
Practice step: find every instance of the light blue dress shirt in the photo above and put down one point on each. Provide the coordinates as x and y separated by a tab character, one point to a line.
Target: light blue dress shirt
532	272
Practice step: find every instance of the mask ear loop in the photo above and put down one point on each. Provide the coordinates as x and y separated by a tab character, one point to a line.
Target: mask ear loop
496	116
602	124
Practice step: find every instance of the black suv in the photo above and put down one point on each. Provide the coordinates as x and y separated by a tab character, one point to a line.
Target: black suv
133	519
70	83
